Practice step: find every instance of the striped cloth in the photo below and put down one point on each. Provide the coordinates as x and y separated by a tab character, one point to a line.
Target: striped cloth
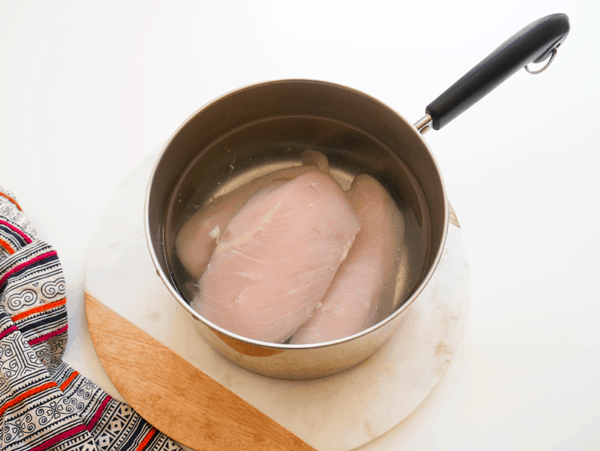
45	404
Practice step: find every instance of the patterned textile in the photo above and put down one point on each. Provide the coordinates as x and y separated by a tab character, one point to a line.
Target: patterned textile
45	404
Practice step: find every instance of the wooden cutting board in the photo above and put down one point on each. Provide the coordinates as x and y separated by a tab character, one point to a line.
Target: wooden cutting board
173	395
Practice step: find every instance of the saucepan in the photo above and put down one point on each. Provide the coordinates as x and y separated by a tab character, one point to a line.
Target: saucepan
268	126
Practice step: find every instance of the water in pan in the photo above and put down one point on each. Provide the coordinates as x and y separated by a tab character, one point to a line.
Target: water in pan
264	146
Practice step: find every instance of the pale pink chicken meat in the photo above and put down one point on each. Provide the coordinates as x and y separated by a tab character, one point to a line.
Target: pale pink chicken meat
277	257
352	300
197	239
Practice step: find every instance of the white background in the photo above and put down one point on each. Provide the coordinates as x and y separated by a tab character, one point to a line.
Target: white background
89	88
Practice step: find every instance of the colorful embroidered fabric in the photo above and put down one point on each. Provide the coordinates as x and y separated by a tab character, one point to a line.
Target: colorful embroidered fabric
44	404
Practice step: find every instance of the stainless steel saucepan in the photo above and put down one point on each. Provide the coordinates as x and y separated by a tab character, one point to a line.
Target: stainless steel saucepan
266	126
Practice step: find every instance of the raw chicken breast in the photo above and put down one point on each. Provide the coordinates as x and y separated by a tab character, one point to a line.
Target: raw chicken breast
198	237
351	303
277	257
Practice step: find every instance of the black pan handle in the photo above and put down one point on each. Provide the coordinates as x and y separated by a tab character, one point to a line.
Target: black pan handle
534	43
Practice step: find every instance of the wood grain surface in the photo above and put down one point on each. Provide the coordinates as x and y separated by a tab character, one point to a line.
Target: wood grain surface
176	397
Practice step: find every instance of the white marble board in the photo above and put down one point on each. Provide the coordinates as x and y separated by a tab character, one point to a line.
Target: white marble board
335	413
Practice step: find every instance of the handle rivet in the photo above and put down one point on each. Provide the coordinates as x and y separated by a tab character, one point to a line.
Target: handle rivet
423	125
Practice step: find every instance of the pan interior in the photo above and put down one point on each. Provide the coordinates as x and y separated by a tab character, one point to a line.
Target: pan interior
263	146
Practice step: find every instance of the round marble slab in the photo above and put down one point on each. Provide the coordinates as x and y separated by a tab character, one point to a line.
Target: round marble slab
336	413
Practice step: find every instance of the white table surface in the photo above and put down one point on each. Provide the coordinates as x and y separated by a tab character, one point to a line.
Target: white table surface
89	88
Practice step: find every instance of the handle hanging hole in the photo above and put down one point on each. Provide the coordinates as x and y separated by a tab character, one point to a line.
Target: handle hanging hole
535	72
